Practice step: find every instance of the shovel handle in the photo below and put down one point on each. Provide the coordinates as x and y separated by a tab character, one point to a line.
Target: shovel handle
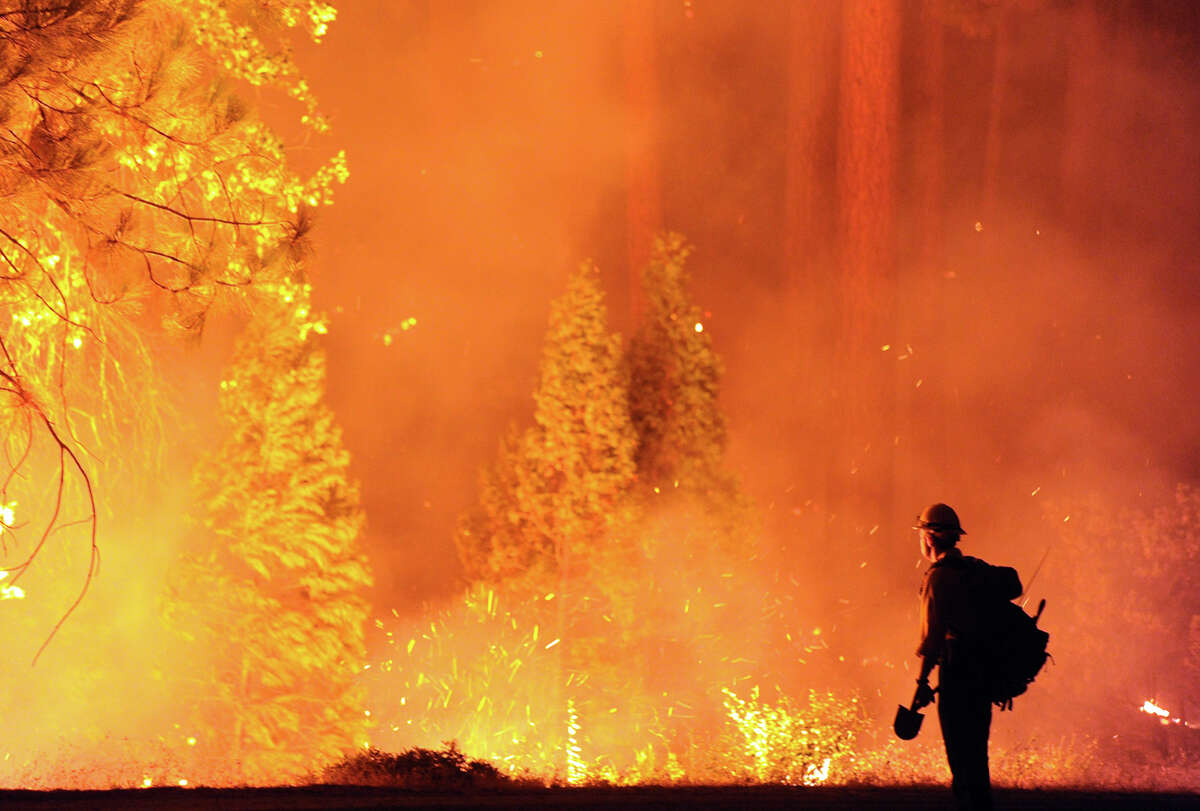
913	706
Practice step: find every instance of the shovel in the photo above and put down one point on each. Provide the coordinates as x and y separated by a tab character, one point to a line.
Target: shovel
908	721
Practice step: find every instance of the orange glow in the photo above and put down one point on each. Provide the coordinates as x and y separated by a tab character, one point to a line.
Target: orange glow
631	549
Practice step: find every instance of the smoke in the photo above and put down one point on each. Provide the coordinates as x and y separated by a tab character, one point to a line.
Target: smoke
100	705
1046	359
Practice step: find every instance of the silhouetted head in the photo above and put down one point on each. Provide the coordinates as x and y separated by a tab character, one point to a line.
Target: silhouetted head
940	530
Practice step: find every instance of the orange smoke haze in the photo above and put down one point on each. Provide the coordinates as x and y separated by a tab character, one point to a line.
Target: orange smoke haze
1039	323
1039	350
488	150
1042	355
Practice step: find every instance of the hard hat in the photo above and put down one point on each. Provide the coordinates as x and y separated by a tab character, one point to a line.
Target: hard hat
940	518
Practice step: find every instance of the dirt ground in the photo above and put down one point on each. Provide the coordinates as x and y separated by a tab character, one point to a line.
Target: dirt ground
698	798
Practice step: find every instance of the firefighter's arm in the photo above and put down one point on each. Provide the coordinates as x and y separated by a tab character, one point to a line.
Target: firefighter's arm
933	638
933	625
924	696
927	665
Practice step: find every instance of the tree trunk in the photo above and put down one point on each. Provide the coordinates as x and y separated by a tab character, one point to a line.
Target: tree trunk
644	217
929	136
867	146
809	219
922	409
869	117
812	63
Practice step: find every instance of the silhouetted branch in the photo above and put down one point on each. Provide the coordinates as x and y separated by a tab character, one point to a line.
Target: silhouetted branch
197	217
65	454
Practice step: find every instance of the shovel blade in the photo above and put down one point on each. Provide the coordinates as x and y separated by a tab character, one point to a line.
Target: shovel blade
907	723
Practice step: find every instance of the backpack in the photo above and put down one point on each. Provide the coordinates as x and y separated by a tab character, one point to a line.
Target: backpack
1011	646
1015	651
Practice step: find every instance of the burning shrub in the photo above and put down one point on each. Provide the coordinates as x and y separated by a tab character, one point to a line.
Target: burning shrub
898	763
784	743
481	674
489	676
1071	761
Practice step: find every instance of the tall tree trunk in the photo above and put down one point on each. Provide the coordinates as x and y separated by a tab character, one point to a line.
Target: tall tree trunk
644	217
867	147
929	138
812	72
809	218
922	410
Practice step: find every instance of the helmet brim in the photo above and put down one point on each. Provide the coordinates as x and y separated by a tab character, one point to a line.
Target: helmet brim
941	528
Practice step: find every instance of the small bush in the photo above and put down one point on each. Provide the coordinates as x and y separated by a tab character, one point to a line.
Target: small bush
415	768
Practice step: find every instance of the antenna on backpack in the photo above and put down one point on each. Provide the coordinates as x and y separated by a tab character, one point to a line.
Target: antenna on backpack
1036	571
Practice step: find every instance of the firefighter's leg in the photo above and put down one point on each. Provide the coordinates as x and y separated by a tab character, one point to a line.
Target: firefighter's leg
965	717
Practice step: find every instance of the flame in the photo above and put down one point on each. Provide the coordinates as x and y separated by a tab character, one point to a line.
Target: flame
9	592
1164	716
787	743
576	767
815	775
1150	707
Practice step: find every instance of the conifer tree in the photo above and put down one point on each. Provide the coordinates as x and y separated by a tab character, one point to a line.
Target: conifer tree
674	377
136	186
674	384
502	539
696	530
554	507
616	501
555	489
278	596
131	169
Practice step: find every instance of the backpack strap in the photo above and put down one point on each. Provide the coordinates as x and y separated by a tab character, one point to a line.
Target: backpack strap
953	561
1002	582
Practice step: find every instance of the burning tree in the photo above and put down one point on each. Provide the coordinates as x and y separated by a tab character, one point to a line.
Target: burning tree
275	602
674	375
136	183
611	521
548	509
696	530
556	488
674	383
